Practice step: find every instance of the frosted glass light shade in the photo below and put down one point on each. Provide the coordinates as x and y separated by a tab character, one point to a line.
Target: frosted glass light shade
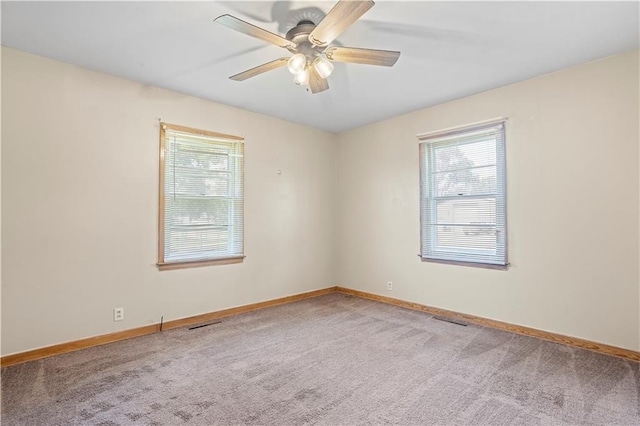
323	67
301	78
297	63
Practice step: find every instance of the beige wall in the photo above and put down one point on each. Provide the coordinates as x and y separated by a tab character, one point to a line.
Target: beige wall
80	206
573	186
0	202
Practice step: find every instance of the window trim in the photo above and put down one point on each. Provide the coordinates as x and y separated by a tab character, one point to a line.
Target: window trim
501	161
196	263
165	266
461	263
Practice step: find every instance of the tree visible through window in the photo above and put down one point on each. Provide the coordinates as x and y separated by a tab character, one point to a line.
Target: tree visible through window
201	217
463	211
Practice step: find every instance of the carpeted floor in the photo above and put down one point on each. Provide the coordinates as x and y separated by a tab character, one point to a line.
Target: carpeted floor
331	360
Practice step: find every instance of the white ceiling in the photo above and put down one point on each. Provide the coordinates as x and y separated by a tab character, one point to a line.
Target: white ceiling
449	49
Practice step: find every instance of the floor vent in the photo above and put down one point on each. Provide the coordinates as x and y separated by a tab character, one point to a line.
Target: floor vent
204	325
451	320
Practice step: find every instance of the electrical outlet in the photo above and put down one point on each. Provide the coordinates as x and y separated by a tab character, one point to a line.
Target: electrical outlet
118	314
389	285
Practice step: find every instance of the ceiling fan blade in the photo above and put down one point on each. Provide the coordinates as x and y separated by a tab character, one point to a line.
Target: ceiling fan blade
343	14
317	84
253	31
260	69
354	55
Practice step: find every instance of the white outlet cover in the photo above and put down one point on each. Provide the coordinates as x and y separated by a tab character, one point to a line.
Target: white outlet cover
118	314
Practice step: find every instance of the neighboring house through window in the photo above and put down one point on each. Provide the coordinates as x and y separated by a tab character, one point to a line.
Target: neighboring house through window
201	198
463	195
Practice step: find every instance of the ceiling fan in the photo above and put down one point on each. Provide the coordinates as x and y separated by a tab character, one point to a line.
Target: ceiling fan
310	45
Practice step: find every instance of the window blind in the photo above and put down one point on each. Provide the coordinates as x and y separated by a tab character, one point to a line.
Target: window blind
203	197
463	196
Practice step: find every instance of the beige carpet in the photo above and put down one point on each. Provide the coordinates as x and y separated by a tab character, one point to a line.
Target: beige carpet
332	360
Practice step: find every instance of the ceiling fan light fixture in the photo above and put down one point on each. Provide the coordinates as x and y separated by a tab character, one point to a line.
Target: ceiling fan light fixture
323	67
297	63
301	78
310	43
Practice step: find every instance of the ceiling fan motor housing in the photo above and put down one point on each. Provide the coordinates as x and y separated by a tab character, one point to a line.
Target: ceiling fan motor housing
300	36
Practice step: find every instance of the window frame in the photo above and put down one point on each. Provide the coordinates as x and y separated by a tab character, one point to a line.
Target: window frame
182	264
426	150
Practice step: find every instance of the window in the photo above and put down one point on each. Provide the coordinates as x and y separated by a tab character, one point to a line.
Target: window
201	198
463	196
